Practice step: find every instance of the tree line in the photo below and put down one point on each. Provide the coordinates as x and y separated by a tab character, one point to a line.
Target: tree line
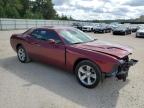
30	9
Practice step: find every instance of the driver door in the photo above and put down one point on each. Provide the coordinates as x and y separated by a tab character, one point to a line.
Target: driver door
43	51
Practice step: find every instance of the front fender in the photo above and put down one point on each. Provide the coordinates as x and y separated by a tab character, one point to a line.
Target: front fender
105	62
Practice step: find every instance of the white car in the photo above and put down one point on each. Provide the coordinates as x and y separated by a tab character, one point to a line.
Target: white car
140	32
87	28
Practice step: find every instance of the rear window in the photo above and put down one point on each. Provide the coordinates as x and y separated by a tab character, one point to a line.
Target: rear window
28	31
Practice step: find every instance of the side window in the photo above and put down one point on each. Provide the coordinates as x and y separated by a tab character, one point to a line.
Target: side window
46	35
53	35
36	34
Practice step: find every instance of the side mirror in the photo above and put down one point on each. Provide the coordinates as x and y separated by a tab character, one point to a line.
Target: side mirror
51	41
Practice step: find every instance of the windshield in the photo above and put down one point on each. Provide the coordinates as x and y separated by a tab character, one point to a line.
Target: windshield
120	28
74	36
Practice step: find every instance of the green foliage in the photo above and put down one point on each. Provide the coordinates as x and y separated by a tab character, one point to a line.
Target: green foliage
64	17
30	15
45	7
30	9
2	13
11	12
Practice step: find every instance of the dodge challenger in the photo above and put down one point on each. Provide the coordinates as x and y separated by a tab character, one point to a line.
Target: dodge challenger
91	60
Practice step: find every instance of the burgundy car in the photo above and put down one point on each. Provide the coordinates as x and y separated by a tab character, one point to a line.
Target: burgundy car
90	59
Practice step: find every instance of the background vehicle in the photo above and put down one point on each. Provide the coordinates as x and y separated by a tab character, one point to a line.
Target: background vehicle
77	25
71	49
87	28
134	28
102	28
140	32
121	31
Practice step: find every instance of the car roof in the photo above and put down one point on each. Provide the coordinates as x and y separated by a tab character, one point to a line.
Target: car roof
53	27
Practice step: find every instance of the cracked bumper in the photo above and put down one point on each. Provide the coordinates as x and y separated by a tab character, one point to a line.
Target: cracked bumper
121	72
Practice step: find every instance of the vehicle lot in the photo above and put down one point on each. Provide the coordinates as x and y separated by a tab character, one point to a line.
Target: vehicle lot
36	85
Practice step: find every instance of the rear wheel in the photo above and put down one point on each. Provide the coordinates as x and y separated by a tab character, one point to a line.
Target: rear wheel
22	55
88	74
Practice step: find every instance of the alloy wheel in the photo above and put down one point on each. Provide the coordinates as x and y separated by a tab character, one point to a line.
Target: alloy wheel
87	75
21	54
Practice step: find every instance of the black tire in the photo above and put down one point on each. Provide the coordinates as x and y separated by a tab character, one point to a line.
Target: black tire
130	32
26	58
95	71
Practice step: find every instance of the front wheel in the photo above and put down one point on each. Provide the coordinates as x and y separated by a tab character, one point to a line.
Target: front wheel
88	74
22	55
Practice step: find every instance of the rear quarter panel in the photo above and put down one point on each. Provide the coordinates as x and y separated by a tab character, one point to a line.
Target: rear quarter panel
17	39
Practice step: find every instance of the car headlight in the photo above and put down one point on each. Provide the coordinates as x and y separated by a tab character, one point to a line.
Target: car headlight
121	61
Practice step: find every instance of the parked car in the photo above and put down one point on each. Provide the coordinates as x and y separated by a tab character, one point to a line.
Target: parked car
87	28
121	31
98	29
108	28
77	25
134	28
102	28
140	33
90	59
114	25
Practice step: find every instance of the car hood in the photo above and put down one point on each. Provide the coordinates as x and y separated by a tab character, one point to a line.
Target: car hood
99	27
119	29
88	26
115	50
140	31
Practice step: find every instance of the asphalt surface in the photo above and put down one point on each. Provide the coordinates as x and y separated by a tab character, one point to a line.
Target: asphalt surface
37	85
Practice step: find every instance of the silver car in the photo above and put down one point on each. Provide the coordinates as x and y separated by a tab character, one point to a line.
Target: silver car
140	32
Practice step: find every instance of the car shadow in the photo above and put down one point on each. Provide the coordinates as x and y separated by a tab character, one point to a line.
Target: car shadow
140	37
64	83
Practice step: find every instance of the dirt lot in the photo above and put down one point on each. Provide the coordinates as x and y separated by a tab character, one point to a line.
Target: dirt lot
36	85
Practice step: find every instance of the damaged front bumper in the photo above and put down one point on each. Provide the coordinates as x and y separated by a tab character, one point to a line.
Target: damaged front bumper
121	71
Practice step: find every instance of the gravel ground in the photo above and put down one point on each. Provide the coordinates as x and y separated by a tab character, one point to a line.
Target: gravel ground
37	85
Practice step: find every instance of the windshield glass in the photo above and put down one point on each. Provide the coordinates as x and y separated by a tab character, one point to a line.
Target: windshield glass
74	36
120	28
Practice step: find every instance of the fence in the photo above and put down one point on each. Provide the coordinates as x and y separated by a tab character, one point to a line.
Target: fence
13	24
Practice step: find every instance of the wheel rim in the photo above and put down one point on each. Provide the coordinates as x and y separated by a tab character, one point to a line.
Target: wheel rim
21	54
87	75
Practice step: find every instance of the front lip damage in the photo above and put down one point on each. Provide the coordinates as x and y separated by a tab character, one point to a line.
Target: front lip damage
132	62
122	70
123	73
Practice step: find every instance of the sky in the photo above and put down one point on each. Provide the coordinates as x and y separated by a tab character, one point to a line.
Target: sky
100	9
